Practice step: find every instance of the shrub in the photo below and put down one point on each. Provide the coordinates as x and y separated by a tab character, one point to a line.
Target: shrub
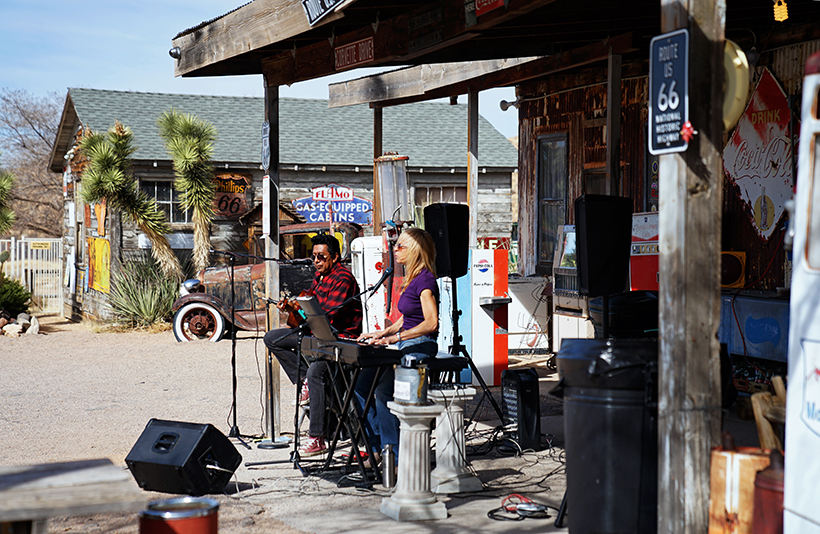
141	293
14	297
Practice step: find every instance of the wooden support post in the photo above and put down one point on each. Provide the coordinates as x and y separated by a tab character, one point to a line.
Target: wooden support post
377	152
613	125
691	186
472	165
273	410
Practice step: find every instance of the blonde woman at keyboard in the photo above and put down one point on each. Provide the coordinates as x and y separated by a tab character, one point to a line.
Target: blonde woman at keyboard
415	332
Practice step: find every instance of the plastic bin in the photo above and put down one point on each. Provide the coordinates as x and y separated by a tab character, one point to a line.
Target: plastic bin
633	314
610	429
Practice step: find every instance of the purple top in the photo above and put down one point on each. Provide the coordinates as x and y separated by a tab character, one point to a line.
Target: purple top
410	301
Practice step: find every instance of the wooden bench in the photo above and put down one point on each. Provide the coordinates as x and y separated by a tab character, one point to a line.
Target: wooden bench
30	495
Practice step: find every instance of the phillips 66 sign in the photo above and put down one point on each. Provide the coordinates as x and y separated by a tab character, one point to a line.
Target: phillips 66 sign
668	92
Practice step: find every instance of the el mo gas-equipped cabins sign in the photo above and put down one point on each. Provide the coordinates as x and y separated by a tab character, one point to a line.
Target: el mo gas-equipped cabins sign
334	203
668	92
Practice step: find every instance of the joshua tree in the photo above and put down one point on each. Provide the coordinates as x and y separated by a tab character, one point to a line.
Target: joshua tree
6	215
189	141
108	177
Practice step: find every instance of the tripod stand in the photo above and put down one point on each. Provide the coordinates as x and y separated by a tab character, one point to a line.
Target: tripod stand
457	349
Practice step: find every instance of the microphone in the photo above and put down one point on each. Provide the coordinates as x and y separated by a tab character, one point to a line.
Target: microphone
385	275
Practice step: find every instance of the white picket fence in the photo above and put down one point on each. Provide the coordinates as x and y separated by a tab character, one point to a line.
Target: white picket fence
38	265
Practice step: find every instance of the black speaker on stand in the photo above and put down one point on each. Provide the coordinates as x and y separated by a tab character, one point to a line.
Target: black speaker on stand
449	225
603	230
187	458
603	233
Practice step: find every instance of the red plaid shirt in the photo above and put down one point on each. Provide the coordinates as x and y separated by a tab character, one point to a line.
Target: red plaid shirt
332	290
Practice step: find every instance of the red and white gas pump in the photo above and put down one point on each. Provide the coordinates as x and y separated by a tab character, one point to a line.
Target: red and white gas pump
802	447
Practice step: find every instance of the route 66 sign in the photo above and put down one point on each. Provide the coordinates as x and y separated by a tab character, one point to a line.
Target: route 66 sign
266	146
668	92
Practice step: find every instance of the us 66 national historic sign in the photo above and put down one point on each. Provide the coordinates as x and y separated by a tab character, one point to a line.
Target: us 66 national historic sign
668	92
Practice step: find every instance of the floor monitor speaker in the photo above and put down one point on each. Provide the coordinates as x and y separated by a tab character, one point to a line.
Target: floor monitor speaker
521	406
187	458
449	225
603	226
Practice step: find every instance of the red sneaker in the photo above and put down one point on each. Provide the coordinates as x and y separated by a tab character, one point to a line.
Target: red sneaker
304	397
313	447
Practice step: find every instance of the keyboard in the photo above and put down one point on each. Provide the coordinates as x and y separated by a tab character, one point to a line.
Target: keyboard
350	352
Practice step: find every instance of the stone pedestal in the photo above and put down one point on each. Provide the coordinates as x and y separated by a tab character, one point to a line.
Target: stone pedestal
451	474
412	500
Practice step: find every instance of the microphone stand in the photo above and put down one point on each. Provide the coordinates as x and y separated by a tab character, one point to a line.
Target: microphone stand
234	432
372	289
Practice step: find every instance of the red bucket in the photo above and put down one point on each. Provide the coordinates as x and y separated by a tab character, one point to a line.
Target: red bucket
185	515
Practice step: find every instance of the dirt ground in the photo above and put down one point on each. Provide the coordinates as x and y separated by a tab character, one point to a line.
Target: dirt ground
72	393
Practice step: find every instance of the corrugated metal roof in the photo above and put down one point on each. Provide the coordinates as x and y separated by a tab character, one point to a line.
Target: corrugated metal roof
431	134
207	22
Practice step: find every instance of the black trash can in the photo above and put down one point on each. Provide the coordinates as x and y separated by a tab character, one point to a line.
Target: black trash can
633	314
610	429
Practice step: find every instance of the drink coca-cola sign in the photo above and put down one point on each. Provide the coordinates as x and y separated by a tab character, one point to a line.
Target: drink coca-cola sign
758	157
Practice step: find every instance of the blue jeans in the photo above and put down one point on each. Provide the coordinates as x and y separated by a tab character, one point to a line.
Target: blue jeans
382	426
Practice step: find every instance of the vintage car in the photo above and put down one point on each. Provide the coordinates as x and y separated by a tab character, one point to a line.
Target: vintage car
203	310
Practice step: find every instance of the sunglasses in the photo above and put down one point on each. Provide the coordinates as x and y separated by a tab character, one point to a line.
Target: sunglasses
320	257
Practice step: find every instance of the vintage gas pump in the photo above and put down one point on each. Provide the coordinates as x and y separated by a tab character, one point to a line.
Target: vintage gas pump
801	512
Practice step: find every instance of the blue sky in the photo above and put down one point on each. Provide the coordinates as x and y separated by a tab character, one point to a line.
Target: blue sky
51	45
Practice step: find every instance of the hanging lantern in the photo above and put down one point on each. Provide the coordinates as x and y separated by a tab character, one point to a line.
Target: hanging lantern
781	10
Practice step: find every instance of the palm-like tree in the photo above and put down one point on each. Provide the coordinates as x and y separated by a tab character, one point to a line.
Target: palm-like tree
108	177
189	141
7	217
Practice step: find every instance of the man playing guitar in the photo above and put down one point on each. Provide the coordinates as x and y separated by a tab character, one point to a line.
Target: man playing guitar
333	285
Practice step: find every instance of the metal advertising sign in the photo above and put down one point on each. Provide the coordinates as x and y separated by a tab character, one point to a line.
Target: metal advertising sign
668	92
485	6
758	157
233	194
335	203
332	192
316	10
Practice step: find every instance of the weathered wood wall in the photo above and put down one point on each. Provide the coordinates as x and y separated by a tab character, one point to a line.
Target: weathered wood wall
581	113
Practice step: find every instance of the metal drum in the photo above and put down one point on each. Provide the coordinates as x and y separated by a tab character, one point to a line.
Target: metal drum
185	515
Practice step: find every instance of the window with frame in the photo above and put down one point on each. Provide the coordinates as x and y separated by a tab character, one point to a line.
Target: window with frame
551	186
424	195
167	199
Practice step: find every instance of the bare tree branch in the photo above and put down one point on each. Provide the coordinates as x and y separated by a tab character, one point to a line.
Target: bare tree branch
28	129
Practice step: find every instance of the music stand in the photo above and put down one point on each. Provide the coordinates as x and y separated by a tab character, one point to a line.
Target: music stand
316	318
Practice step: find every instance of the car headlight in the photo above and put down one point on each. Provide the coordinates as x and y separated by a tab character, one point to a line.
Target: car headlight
192	285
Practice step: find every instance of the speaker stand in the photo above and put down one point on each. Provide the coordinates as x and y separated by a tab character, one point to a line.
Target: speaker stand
458	349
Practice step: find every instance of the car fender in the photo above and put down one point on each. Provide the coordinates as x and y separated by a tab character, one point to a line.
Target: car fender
218	305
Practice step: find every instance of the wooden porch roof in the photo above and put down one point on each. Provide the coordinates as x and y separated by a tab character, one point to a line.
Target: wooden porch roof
273	37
